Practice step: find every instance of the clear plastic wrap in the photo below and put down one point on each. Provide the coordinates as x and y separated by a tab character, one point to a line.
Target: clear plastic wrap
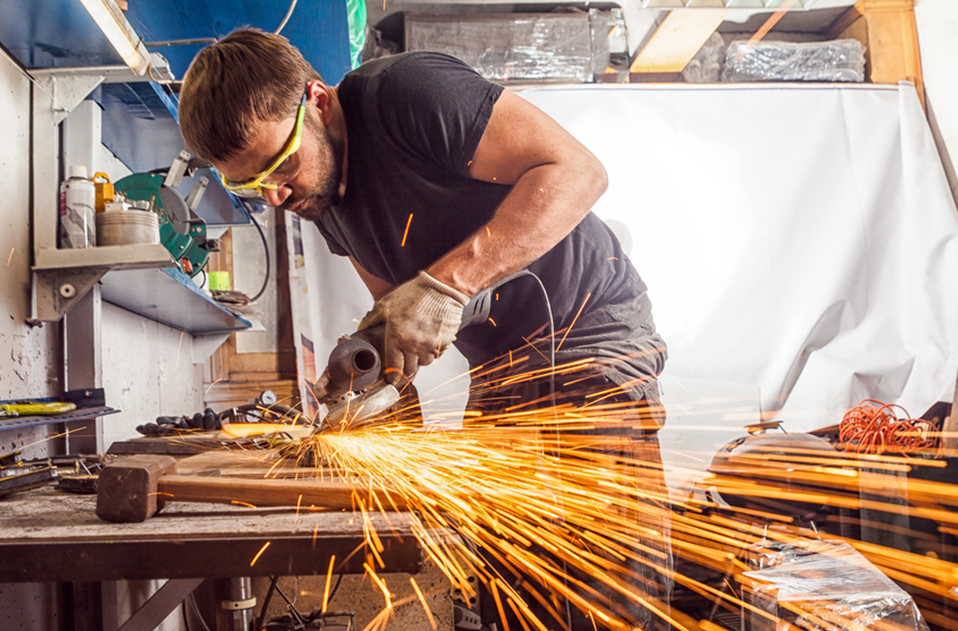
542	47
610	45
840	60
706	66
824	584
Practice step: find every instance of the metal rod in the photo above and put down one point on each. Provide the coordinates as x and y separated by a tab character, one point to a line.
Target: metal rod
181	42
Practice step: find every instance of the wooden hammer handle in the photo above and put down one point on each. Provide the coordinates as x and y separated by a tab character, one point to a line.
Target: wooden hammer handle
268	492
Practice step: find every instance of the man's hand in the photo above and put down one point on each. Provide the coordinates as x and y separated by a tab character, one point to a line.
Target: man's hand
422	317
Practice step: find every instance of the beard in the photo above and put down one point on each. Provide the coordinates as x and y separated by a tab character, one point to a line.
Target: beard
327	171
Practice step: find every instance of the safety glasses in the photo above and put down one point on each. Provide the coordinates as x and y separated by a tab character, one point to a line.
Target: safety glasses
255	187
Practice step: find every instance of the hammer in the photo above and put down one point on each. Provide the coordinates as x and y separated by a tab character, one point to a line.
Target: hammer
135	488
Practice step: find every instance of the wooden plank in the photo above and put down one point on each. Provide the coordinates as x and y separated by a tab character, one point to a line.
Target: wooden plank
316	494
889	32
677	40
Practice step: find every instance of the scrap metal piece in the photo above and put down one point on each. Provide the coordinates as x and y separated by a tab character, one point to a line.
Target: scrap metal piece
17	479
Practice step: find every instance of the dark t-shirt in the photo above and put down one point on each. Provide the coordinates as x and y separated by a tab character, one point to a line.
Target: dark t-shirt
413	124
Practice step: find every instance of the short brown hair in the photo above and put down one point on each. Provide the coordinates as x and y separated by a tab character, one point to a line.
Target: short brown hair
247	76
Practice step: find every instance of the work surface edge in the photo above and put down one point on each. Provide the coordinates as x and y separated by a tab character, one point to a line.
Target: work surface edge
52	535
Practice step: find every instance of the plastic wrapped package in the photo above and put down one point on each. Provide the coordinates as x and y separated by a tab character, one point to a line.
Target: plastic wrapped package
610	45
840	60
706	66
823	584
541	47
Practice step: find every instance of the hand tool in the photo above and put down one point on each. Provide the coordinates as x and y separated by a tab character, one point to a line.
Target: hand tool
133	489
352	386
33	408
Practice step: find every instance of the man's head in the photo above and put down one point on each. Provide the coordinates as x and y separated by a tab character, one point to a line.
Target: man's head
254	108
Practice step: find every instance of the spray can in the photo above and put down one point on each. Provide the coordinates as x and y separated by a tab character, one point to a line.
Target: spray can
77	210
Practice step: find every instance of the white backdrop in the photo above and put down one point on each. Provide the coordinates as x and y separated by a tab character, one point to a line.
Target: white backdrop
800	243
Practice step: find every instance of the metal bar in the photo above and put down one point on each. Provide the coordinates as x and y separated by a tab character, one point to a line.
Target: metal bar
77	415
161	604
83	366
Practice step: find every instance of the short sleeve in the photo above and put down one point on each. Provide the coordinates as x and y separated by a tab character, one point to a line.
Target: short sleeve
436	107
332	242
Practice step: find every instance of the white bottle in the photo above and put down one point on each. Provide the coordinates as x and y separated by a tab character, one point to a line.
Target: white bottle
77	210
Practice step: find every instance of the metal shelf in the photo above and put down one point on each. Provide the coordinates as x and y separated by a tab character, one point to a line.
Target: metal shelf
112	257
80	414
170	297
141	128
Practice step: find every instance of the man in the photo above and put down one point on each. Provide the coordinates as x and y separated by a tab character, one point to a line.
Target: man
437	184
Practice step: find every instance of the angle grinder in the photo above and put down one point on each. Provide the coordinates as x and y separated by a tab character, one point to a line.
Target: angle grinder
352	386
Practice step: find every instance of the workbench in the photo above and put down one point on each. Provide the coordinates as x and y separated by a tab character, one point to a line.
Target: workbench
51	535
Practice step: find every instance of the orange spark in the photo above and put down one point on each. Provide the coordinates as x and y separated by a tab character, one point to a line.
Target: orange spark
329	579
406	233
587	296
239	503
10	258
179	346
425	605
260	553
493	322
213	384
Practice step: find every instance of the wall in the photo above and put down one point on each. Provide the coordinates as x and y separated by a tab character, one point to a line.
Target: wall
937	26
29	356
147	372
147	368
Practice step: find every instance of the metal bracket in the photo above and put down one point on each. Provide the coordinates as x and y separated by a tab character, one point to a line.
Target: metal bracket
57	290
67	87
161	604
204	345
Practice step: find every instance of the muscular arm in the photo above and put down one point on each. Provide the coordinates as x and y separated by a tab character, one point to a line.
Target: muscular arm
555	181
376	286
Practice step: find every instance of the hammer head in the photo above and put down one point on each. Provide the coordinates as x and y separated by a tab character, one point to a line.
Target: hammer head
127	488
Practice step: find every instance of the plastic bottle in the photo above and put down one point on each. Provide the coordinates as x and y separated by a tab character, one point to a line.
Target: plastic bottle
104	190
77	210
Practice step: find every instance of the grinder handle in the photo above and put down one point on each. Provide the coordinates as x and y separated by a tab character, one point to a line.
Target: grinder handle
478	308
356	361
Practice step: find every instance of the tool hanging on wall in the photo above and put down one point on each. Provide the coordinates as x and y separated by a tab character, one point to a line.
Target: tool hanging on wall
182	231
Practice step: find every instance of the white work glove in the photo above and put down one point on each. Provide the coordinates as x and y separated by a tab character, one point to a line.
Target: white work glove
422	317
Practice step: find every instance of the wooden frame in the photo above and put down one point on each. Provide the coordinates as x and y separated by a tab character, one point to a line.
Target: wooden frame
889	32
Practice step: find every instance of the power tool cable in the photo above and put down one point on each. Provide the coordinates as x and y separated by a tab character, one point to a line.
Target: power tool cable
262	236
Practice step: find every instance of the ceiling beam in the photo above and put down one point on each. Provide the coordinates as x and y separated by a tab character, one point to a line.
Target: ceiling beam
676	41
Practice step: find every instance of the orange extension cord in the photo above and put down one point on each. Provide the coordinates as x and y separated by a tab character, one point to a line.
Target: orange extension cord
873	427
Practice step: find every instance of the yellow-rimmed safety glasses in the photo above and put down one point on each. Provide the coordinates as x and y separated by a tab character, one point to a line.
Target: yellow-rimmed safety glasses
255	186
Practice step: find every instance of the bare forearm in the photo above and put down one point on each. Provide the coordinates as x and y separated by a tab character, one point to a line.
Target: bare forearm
545	204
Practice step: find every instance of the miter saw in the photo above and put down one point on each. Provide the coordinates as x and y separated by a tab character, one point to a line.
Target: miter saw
352	386
182	231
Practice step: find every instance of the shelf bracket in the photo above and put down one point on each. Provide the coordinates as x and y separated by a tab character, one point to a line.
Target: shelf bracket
55	291
67	87
206	344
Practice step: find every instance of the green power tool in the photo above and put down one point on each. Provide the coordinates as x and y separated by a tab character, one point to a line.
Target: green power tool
182	231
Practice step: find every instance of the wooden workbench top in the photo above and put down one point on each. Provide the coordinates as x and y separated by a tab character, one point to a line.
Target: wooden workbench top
48	534
52	514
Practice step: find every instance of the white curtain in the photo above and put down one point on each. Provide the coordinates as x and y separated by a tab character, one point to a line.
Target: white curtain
799	242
